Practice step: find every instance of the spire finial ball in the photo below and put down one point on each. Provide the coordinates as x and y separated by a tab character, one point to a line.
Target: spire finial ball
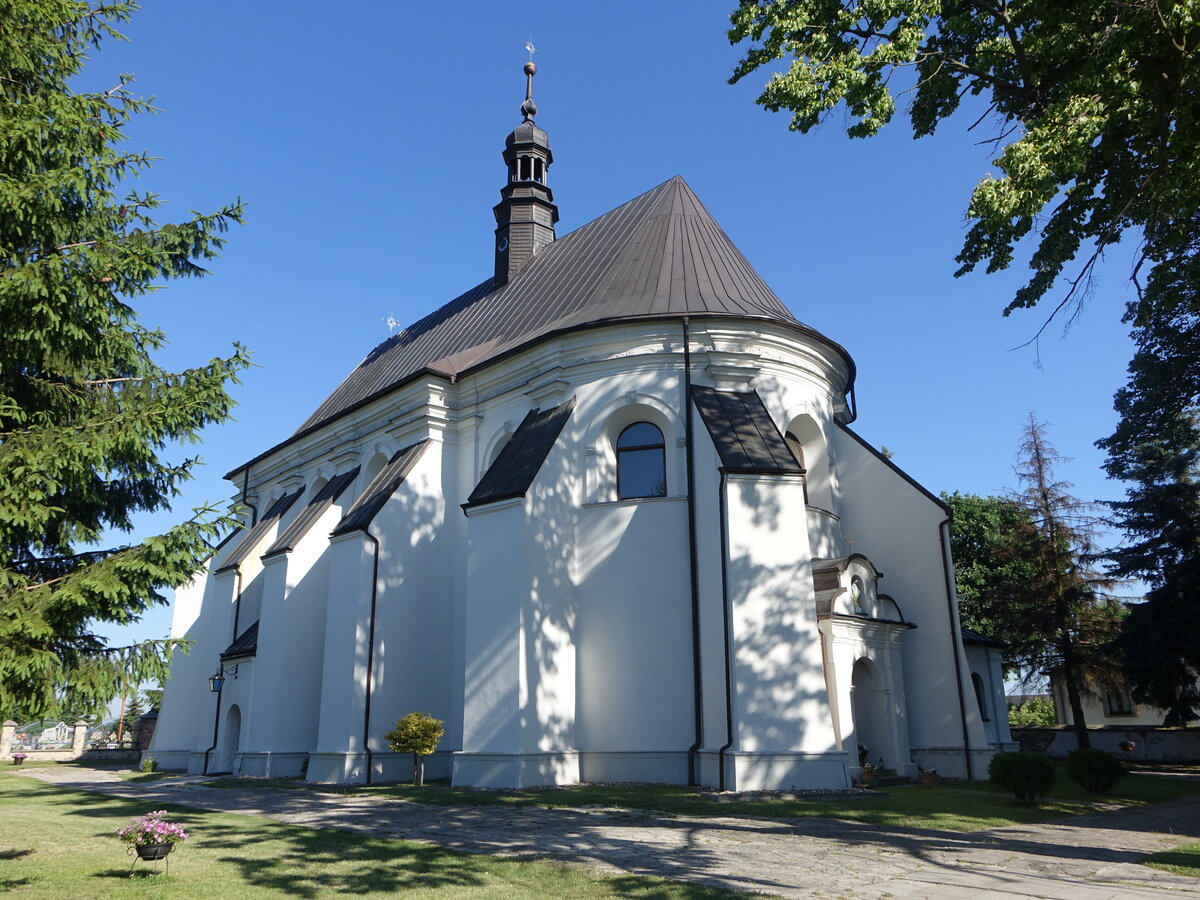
530	68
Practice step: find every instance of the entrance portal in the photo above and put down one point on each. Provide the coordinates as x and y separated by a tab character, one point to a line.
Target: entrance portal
231	736
867	705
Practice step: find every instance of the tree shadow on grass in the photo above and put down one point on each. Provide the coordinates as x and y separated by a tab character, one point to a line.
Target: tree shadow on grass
362	848
306	862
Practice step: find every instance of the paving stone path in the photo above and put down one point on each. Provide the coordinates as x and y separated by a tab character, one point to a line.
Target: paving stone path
1093	857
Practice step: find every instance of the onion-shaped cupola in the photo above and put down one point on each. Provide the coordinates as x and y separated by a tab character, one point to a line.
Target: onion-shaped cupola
526	214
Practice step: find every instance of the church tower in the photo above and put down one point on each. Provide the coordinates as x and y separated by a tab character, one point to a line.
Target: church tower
526	214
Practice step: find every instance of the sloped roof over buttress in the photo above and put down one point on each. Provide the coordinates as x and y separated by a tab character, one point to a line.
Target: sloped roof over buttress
660	254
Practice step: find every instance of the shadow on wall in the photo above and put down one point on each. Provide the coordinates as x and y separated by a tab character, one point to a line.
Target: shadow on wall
416	677
774	689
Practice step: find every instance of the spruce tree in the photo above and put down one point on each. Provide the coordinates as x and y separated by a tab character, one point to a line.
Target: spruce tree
1075	609
1156	448
1025	573
86	414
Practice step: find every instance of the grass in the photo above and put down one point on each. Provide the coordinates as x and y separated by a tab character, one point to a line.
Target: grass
1184	860
57	843
954	806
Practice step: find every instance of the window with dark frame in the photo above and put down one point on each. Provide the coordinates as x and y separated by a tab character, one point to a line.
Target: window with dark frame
980	697
641	462
1118	702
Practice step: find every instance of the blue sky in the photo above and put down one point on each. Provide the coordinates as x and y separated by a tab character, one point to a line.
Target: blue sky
366	140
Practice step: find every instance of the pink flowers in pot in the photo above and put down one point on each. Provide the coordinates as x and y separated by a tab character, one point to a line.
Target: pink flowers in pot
151	828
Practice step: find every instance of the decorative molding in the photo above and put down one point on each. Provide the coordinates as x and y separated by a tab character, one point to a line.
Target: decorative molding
344	459
548	392
496	506
291	480
732	370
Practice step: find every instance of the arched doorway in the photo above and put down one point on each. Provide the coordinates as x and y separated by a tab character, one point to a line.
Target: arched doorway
868	707
231	736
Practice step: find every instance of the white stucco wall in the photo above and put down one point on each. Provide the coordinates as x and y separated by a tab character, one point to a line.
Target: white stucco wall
897	525
784	727
553	632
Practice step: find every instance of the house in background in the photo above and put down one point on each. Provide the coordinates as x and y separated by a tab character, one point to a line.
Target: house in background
605	516
1105	704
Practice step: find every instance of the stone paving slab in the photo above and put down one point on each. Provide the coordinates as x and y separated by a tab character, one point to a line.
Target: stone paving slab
1092	857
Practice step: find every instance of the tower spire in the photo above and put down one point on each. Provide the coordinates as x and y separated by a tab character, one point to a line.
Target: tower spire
526	214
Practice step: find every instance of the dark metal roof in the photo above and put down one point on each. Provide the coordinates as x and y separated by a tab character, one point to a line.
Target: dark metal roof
746	438
314	510
252	538
371	501
518	463
245	644
661	254
971	636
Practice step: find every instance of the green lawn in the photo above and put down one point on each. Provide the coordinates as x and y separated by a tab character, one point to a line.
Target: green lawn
56	843
954	806
1183	860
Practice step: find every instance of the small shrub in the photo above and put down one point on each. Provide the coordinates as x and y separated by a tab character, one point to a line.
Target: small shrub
418	734
1094	770
1028	776
149	764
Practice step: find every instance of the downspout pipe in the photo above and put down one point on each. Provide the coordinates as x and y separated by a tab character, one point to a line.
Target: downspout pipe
246	495
237	605
697	684
943	534
216	727
370	653
722	499
237	609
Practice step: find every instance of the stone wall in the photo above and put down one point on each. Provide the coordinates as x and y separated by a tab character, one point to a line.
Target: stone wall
1151	743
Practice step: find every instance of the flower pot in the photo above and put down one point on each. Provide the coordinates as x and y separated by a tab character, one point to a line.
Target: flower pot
18	760
153	851
929	779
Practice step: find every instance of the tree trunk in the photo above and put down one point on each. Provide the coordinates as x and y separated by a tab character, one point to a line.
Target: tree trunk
1075	700
416	769
121	719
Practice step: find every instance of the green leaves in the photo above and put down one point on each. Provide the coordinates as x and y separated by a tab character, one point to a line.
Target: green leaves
1096	104
1023	570
85	411
1098	113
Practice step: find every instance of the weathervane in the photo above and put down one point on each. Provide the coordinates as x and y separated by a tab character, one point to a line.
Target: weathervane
529	108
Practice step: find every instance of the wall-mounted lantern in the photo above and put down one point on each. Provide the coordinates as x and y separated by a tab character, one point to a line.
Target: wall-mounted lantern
216	681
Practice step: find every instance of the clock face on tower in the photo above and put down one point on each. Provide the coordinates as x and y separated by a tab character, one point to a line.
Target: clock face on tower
502	244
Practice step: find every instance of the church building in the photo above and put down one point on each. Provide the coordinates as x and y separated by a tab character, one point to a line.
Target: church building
605	515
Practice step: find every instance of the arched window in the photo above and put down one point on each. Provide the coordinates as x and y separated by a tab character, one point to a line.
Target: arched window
977	682
641	462
797	449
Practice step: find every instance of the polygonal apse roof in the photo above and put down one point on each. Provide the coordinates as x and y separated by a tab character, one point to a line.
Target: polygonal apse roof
660	255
